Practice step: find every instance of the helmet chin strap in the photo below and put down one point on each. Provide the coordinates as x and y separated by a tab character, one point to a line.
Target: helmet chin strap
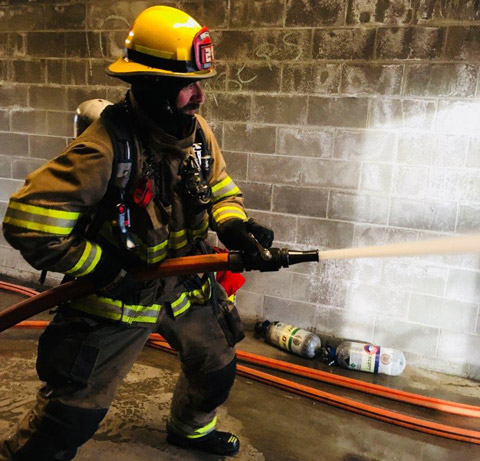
159	102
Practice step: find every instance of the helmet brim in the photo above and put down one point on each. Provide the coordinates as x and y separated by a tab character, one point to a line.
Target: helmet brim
123	67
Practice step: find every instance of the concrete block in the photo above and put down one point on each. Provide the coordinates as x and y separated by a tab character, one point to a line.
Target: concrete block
5	166
332	291
234	45
372	79
411	276
366	235
65	16
448	184
330	173
25	17
306	288
463	43
373	299
114	43
364	145
23	166
459	347
376	177
46	147
338	112
323	234
343	44
396	113
276	45
473	157
76	95
31	71
29	121
306	13
463	285
268	169
67	72
116	15
46	44
287	110
410	42
115	94
349	325
4	120
8	187
410	181
97	44
253	78
236	165
13	95
305	143
296	313
228	107
48	98
406	336
362	12
301	201
446	314
458	117
425	214
249	138
452	80
358	208
76	44
277	284
60	124
468	218
96	73
256	13
250	305
213	13
321	78
14	144
439	150
17	44
257	195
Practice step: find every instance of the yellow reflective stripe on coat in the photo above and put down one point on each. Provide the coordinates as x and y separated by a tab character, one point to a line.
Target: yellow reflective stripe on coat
200	232
47	220
152	254
116	310
224	188
200	296
88	261
181	304
202	431
227	212
177	239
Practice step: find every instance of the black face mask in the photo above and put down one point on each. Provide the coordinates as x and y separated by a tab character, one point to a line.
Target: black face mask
158	99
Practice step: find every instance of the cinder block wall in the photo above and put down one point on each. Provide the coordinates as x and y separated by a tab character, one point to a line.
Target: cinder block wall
345	122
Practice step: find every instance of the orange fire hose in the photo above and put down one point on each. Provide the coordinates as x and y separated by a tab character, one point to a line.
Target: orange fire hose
399	419
392	417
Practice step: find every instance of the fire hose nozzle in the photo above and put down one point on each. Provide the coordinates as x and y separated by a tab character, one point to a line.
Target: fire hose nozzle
281	257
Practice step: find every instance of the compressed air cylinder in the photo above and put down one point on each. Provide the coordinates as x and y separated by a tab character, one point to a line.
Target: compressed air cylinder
368	357
289	338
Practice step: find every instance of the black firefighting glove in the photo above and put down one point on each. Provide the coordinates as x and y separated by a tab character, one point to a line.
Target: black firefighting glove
245	235
110	279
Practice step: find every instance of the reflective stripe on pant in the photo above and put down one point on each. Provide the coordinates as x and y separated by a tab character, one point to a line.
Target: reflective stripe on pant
83	359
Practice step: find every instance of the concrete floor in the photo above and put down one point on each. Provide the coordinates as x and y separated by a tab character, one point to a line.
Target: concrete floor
271	424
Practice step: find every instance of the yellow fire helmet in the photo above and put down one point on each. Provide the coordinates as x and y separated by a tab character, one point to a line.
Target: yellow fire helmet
166	42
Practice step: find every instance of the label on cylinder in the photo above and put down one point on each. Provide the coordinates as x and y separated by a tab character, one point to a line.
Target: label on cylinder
370	358
288	337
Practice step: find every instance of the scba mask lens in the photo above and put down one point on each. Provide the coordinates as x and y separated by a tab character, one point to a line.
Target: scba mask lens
203	49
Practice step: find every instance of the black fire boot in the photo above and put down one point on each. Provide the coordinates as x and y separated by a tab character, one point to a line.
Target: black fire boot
215	442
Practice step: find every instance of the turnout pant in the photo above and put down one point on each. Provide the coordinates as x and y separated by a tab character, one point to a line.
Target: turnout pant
82	359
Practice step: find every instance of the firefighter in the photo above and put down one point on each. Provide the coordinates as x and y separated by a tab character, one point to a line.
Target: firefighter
75	216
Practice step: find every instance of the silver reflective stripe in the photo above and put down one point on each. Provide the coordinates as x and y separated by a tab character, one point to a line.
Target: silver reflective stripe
88	261
177	239
224	188
180	305
228	212
47	220
116	310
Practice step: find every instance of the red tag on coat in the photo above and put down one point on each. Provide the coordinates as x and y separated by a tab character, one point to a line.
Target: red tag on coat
142	194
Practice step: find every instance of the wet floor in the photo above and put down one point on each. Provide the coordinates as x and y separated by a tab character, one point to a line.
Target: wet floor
271	424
